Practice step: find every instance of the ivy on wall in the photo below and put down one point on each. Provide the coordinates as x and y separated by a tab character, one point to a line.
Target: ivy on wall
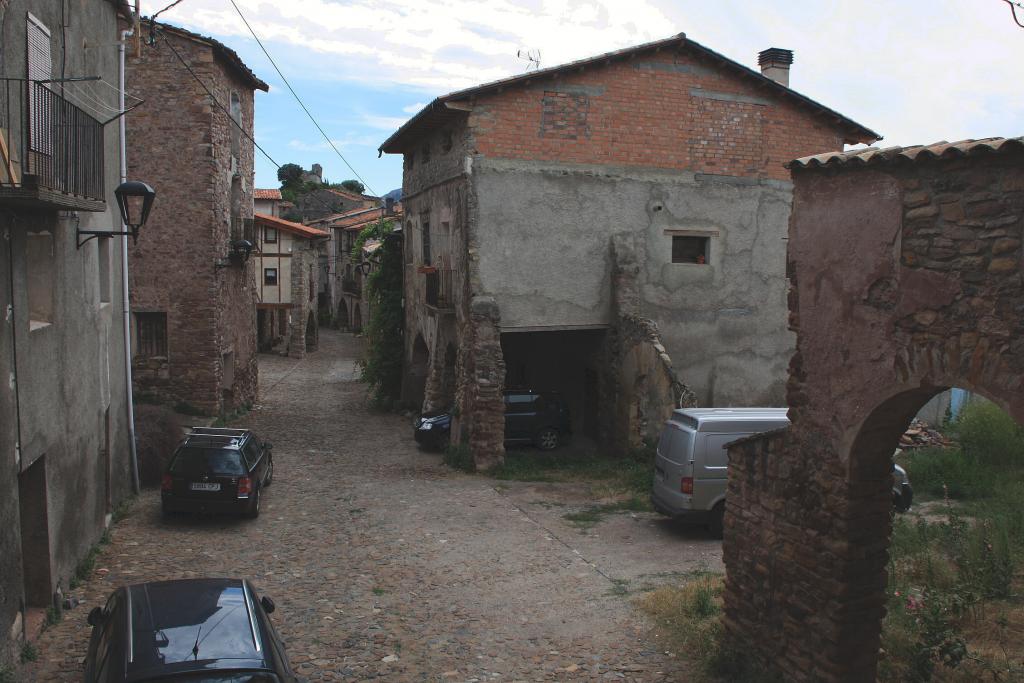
382	365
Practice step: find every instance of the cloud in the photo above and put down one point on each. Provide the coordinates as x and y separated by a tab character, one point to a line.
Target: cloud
414	108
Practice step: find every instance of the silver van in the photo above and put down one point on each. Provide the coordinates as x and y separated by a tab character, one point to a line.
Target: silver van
690	467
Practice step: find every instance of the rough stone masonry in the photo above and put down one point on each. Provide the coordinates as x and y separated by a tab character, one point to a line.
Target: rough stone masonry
905	268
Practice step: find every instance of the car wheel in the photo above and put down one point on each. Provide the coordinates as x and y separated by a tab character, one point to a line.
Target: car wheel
254	508
717	522
547	439
270	472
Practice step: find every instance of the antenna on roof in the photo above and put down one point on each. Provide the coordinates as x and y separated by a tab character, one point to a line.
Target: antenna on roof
532	56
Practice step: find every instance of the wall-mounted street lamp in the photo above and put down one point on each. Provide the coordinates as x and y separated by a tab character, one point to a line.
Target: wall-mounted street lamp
240	252
134	199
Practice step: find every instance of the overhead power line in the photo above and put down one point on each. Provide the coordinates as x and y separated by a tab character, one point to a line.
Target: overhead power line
299	100
230	118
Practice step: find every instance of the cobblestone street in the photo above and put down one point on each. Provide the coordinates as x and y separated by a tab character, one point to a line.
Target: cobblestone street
385	564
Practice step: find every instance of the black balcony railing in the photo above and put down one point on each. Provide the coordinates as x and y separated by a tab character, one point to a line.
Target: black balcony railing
350	285
53	151
439	289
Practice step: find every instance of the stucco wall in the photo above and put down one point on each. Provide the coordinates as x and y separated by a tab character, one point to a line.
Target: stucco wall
544	232
59	380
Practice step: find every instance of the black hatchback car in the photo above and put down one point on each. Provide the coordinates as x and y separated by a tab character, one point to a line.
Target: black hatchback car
217	470
195	630
538	417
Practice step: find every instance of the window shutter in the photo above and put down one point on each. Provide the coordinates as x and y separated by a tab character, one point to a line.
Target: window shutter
40	68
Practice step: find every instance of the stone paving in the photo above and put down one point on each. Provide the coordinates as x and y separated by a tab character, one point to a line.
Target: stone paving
385	564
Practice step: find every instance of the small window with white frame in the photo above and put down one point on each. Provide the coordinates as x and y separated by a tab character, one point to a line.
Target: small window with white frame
270	235
270	277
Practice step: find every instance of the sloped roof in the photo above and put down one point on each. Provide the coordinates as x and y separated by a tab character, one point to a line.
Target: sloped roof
357	218
219	48
288	226
266	194
438	112
875	156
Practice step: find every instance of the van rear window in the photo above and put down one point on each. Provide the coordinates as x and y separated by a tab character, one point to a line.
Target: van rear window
675	444
197	461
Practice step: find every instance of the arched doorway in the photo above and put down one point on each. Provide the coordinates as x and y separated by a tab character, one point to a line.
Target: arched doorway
357	318
448	376
419	365
343	320
312	332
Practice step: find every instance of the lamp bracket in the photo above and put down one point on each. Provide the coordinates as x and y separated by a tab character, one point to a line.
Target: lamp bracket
103	234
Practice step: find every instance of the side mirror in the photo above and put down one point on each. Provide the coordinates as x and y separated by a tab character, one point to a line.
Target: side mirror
268	604
95	617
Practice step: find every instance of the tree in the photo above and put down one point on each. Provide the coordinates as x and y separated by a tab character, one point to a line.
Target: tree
290	175
382	364
354	186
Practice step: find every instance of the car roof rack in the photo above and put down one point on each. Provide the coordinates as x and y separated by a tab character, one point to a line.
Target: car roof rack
217	431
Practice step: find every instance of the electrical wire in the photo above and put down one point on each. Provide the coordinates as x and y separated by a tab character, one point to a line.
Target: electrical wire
1013	10
176	2
299	100
231	118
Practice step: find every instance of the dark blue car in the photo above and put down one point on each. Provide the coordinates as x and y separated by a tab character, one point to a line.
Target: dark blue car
538	417
196	630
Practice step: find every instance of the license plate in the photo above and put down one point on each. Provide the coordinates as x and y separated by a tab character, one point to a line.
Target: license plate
198	486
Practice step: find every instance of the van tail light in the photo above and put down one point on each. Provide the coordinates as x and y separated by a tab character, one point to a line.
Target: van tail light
686	485
244	486
166	483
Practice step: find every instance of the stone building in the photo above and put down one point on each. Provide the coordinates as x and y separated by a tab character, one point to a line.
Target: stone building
907	276
288	267
193	287
612	229
329	201
344	298
64	429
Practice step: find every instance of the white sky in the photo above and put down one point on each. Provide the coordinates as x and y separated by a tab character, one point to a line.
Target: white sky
916	71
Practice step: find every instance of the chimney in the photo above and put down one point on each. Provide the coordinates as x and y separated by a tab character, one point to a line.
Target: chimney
389	205
775	64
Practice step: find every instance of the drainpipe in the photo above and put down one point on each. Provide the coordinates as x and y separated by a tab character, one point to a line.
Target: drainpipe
125	302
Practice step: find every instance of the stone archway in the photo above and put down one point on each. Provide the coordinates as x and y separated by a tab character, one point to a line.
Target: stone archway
312	332
343	319
906	279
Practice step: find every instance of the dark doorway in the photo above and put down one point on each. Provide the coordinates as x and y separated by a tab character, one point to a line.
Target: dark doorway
343	322
35	535
357	319
448	376
557	361
418	370
311	332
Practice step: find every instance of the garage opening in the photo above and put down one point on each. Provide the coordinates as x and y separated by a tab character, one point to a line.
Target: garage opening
568	362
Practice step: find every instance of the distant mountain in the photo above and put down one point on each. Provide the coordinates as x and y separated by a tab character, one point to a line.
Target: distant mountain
394	194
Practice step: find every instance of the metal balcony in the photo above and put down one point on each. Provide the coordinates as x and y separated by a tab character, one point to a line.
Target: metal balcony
439	292
51	154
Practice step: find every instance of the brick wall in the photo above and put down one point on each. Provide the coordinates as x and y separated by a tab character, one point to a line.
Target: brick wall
663	110
180	143
906	280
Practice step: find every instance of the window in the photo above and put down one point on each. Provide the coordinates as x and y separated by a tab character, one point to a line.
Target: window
40	67
270	235
40	260
407	243
425	227
270	277
151	335
236	116
446	141
425	152
690	248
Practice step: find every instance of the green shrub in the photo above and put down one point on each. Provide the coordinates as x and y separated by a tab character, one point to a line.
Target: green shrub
949	471
29	653
990	436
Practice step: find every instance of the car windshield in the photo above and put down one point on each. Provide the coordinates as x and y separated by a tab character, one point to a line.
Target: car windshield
226	677
192	461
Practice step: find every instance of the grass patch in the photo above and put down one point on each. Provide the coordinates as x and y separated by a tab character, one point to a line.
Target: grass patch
53	616
123	509
6	674
591	515
378	591
228	418
630	472
458	457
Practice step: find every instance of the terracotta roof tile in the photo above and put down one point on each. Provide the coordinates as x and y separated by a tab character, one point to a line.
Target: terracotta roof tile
939	150
288	226
266	194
